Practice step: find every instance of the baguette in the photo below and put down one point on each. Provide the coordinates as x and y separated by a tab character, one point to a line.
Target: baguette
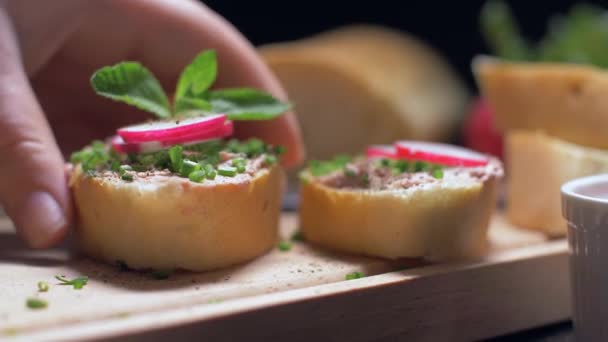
417	216
162	221
537	166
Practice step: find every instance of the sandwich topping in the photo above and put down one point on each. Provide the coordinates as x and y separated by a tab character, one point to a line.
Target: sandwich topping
386	168
189	138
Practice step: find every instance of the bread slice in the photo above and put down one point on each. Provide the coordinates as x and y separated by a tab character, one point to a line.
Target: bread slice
361	85
537	166
439	219
167	222
566	101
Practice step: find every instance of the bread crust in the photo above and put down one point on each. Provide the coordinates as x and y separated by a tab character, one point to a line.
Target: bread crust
169	222
437	222
567	101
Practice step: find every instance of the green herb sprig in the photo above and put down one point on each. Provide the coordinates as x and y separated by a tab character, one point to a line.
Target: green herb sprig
131	83
354	275
36	303
579	36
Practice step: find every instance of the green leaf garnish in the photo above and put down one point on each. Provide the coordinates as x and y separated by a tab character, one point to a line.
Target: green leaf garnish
132	83
77	283
194	82
320	168
246	104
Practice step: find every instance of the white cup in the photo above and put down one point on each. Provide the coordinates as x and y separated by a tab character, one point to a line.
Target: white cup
585	207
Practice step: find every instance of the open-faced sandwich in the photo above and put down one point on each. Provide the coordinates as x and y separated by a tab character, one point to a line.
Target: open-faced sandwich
175	193
410	200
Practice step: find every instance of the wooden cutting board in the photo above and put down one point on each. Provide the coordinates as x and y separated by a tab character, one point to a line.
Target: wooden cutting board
300	294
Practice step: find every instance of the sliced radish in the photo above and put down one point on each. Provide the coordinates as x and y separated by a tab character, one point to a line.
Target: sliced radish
381	151
122	146
170	130
437	153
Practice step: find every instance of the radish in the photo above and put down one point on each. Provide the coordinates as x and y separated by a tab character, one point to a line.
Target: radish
121	146
170	129
438	153
381	151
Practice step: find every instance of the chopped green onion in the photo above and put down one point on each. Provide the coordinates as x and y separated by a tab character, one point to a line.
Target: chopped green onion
354	275
297	236
36	303
127	177
279	150
77	283
188	166
176	157
385	162
270	159
227	171
197	176
420	166
438	173
284	246
401	166
240	169
238	161
365	179
210	172
115	165
125	167
43	286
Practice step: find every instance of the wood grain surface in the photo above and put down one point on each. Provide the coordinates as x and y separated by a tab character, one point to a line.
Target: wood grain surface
300	294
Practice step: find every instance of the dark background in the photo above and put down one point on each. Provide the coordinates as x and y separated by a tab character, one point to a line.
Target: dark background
451	26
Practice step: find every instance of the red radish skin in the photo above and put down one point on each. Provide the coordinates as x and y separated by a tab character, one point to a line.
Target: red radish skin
479	132
381	151
170	130
437	153
121	146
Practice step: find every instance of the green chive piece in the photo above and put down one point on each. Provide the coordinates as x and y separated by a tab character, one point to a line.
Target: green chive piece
240	169
115	165
43	286
210	172
270	159
401	166
238	161
127	177
385	162
420	166
365	179
279	150
297	236
197	176
284	246
78	283
125	167
36	303
161	274
354	275
226	171
176	157
188	166
438	173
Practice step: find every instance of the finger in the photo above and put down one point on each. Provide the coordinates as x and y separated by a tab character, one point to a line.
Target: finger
33	188
167	34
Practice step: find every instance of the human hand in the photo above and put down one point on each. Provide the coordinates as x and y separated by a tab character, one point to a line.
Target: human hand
49	50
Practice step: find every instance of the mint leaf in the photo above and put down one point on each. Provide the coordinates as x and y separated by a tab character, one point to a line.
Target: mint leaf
246	104
185	106
194	82
132	83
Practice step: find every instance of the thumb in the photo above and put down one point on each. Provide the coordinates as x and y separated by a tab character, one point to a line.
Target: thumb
33	186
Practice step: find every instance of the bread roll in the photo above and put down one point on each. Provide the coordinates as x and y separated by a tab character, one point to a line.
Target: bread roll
360	85
416	217
537	166
167	222
567	101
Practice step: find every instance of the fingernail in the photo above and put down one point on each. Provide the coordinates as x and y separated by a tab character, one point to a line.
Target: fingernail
42	218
